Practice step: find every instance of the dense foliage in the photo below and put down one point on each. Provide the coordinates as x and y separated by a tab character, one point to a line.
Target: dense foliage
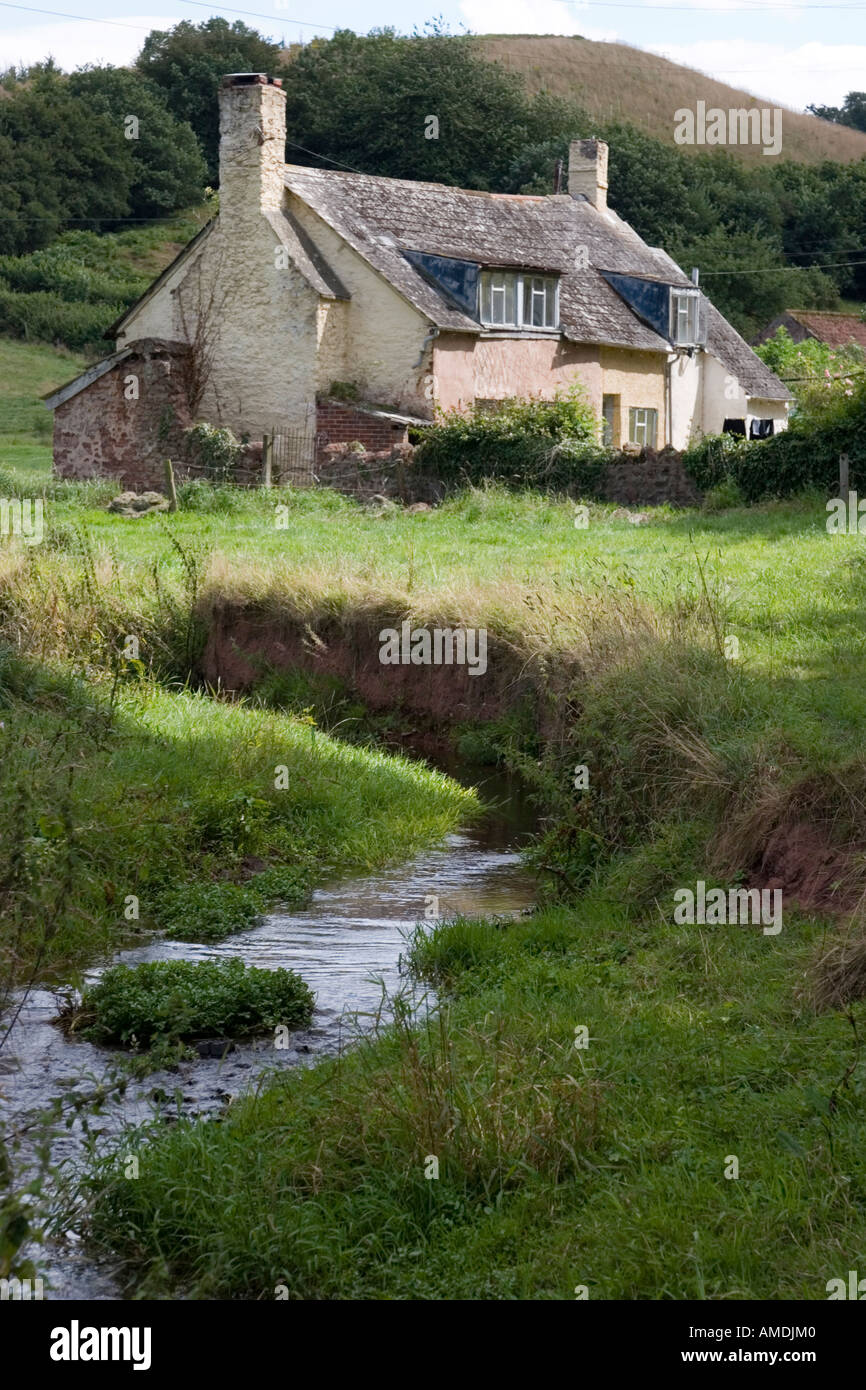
552	444
187	999
67	160
186	63
803	457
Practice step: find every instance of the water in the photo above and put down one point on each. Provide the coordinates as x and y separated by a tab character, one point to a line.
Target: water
347	943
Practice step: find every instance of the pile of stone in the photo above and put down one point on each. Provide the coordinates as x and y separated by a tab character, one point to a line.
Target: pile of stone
137	503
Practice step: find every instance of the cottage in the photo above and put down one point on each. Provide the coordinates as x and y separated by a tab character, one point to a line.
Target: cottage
342	306
836	330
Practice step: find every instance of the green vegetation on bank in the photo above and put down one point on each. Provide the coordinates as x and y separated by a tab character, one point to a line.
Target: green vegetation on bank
559	1166
141	808
607	1167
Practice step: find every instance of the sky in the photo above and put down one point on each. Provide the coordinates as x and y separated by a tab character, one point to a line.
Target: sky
795	54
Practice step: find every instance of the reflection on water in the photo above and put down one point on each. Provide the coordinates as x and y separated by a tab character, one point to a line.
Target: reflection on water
349	938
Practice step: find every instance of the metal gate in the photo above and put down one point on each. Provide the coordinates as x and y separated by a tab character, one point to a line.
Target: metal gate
292	455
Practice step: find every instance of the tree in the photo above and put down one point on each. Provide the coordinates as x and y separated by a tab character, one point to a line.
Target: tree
168	169
425	107
187	62
67	164
852	111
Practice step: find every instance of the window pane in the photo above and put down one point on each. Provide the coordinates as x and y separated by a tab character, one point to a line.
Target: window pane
510	282
485	298
550	304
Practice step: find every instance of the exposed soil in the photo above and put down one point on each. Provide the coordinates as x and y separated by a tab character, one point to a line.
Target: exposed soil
811	871
243	645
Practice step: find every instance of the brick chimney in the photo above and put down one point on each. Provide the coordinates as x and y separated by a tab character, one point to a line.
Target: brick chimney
587	171
252	145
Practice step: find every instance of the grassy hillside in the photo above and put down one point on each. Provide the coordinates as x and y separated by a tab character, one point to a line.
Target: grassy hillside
614	81
27	372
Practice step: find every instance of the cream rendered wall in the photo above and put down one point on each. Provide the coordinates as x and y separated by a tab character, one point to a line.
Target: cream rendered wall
467	367
686	388
724	398
387	341
768	410
333	343
157	318
638	378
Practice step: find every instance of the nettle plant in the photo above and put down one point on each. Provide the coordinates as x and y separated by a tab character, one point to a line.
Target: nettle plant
215	449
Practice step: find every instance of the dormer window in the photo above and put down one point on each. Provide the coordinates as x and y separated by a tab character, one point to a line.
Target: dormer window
518	299
684	318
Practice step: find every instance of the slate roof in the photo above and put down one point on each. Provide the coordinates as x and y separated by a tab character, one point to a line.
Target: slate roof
836	330
380	218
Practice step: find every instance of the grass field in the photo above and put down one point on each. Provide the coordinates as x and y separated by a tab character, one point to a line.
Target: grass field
607	1167
614	81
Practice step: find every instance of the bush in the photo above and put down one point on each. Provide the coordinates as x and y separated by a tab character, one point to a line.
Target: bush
214	449
192	999
552	444
803	458
724	496
45	315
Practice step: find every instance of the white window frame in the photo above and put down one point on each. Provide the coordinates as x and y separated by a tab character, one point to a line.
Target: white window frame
643	425
528	291
684	310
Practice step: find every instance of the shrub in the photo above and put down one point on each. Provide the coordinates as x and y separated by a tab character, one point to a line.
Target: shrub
725	495
46	316
552	444
215	449
192	999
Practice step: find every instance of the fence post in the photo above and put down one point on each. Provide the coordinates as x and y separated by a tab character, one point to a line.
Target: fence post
170	487
843	478
267	459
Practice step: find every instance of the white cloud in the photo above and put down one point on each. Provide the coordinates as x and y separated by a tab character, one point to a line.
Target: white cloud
813	74
530	17
73	44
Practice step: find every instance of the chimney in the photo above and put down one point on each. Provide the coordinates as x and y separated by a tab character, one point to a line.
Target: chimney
252	145
587	171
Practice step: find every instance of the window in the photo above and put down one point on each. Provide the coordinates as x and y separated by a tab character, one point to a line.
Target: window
642	426
610	420
684	317
513	299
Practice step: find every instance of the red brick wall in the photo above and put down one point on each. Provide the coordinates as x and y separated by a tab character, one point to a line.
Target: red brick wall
343	424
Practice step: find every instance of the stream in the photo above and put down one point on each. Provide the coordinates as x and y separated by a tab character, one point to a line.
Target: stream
347	943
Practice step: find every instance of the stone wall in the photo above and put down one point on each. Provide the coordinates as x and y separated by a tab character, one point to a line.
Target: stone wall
649	479
127	423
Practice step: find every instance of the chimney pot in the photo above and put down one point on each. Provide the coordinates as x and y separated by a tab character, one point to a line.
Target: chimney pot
587	171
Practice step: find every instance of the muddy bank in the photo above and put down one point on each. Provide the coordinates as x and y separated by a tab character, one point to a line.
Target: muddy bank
244	644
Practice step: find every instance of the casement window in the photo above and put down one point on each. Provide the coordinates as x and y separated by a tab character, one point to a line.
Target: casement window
642	426
516	299
684	317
